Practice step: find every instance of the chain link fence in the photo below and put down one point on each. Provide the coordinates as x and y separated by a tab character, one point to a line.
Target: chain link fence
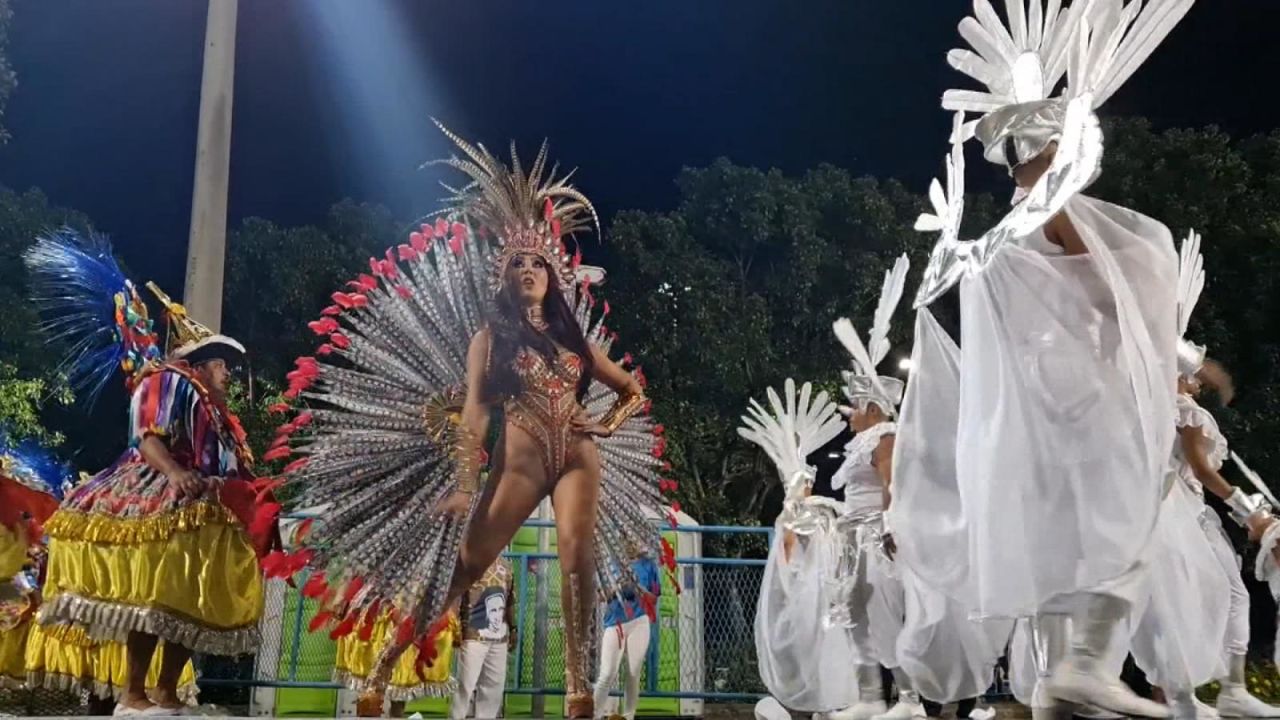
701	649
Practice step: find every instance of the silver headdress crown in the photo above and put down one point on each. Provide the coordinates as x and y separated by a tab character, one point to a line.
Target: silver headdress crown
1097	45
1190	285
864	383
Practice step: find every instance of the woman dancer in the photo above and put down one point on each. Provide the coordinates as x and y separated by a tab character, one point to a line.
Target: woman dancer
432	345
804	662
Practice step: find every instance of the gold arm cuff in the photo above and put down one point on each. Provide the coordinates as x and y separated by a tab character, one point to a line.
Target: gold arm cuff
623	409
467	455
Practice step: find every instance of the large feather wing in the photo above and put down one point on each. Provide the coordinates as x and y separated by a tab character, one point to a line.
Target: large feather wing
1190	279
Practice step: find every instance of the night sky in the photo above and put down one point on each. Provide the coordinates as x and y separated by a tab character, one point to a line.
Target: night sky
333	96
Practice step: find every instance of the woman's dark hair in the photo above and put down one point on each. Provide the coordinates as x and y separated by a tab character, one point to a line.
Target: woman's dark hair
511	331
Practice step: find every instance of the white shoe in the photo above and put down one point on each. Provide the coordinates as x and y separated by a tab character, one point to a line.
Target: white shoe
1188	707
1077	685
1203	711
860	711
903	710
1235	702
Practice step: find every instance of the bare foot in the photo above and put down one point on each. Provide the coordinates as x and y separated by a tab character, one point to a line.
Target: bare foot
136	702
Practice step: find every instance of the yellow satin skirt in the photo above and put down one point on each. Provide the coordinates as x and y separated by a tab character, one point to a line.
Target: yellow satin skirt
65	658
355	660
189	576
13	552
13	648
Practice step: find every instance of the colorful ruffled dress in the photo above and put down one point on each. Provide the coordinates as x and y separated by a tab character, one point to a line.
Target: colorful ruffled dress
128	553
357	657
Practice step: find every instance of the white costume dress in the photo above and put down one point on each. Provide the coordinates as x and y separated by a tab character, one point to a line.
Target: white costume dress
803	661
1190	414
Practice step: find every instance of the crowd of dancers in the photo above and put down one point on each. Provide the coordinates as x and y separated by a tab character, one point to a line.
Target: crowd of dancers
1034	491
1037	492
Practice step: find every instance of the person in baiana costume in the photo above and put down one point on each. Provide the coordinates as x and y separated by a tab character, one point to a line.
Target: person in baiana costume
162	547
921	635
1060	397
415	359
803	660
31	482
410	680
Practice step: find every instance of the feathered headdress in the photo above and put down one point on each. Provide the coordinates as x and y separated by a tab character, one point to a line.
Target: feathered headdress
530	212
32	482
1190	285
864	382
87	302
1098	44
790	431
34	466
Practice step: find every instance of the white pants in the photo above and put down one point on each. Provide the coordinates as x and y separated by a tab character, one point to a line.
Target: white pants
1237	642
482	674
634	643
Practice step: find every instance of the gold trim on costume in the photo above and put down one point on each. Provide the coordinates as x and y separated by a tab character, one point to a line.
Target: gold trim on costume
96	528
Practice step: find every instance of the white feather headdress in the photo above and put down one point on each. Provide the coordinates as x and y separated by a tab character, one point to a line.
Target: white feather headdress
790	430
1190	285
1097	44
864	382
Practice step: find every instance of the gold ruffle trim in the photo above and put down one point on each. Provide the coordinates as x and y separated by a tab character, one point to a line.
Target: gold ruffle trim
188	693
106	529
114	621
398	693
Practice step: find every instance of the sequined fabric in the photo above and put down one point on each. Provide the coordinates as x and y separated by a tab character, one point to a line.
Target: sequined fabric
547	405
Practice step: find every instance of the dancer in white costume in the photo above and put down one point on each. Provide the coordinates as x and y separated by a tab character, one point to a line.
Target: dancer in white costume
1187	604
803	662
1061	400
873	592
923	637
1197	457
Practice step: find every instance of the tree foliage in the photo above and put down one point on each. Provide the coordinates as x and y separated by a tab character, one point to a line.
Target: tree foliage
279	278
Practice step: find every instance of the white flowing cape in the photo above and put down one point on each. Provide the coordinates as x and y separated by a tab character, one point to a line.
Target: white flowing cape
806	666
1030	462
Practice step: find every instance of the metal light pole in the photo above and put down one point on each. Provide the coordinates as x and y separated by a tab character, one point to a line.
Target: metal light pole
207	243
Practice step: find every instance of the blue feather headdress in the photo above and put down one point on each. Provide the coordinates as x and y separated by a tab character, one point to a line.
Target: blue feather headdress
34	466
86	301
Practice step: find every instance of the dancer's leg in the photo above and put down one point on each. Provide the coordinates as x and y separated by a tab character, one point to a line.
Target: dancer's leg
637	642
138	651
175	658
493	681
575	500
611	650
